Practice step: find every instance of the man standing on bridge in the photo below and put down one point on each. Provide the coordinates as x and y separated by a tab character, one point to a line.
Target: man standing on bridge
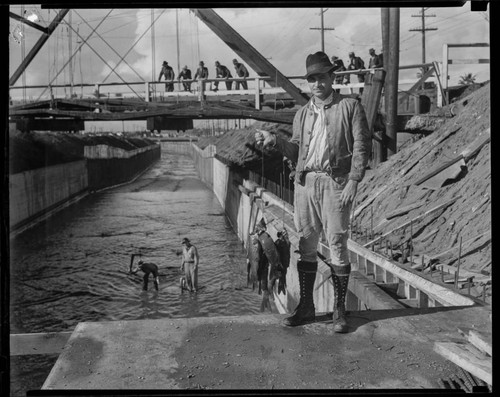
169	74
223	72
201	74
330	144
241	71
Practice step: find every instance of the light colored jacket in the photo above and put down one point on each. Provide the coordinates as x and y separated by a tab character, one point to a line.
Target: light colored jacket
349	138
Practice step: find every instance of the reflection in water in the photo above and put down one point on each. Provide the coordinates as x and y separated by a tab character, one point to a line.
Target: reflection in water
73	267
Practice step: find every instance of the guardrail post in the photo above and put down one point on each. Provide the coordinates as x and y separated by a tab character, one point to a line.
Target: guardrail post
257	93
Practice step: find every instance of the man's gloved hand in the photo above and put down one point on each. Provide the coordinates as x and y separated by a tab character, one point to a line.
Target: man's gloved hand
265	138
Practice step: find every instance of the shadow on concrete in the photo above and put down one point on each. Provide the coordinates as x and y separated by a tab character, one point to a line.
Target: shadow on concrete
357	319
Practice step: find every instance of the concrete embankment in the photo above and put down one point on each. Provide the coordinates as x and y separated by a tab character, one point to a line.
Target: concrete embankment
36	194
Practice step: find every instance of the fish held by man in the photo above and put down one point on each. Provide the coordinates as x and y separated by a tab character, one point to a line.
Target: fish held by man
254	258
283	247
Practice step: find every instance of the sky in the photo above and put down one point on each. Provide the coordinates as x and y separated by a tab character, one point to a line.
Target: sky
283	35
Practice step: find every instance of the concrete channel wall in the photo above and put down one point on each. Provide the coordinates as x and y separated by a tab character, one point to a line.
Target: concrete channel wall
109	166
37	194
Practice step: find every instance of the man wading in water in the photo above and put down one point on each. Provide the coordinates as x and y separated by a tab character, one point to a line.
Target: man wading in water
189	266
147	268
330	144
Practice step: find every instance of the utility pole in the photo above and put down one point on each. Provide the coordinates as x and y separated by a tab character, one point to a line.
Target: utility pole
322	28
423	29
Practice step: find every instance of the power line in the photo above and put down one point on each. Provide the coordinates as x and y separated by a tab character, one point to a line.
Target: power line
322	28
423	29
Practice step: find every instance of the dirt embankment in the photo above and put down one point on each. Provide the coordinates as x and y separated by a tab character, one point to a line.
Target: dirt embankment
431	172
33	150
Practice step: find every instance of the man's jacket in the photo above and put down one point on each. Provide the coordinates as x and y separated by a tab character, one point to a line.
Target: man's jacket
349	138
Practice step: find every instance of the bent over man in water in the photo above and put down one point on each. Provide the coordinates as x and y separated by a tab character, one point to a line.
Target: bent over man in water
189	266
147	268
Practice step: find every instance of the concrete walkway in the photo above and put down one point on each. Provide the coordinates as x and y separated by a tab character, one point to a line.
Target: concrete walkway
385	349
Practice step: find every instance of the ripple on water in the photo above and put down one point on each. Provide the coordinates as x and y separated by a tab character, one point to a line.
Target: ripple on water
73	267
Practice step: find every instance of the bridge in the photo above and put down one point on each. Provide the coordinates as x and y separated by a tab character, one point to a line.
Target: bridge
271	96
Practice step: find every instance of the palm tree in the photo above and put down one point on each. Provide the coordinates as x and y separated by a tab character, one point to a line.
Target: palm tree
467	79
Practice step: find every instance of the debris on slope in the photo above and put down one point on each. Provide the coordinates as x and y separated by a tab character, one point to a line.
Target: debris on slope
450	166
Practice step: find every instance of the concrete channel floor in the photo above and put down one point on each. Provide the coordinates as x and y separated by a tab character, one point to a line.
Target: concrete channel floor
385	349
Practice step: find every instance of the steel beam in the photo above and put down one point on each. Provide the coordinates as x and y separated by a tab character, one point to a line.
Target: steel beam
248	53
28	22
38	45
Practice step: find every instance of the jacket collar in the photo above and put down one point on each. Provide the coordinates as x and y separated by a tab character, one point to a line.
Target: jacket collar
332	99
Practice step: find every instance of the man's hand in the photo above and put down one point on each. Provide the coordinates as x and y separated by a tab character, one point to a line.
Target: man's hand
349	192
264	138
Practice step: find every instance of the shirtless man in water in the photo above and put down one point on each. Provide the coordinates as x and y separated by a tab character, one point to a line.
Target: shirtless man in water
147	268
189	266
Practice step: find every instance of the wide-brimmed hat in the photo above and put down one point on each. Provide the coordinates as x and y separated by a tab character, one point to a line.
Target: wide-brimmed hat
317	63
185	240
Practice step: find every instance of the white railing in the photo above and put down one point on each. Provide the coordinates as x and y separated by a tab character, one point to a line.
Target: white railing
154	91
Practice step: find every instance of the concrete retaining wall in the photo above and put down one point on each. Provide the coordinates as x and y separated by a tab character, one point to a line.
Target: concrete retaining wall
37	192
109	166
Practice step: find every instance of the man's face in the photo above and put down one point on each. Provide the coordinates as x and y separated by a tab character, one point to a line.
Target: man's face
321	85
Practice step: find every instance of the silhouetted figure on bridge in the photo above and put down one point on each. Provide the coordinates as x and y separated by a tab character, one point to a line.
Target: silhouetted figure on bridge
356	63
241	71
169	74
185	74
375	61
201	74
147	268
338	67
223	72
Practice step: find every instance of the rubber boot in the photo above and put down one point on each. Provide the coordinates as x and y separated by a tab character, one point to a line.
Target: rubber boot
340	276
305	311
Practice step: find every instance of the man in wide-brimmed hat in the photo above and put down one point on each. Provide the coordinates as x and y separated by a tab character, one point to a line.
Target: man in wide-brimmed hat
330	144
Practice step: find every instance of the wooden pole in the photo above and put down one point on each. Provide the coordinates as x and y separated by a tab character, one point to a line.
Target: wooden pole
382	147
392	80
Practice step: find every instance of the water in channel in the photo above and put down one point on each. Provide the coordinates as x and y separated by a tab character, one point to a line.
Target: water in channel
73	267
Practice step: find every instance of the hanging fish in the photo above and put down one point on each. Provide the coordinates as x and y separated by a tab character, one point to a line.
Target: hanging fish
264	286
283	246
255	256
274	271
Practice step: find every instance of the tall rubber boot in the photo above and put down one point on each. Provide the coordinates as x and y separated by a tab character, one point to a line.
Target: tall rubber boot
340	276
305	311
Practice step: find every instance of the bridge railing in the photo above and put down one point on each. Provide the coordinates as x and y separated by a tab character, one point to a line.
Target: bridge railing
154	91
